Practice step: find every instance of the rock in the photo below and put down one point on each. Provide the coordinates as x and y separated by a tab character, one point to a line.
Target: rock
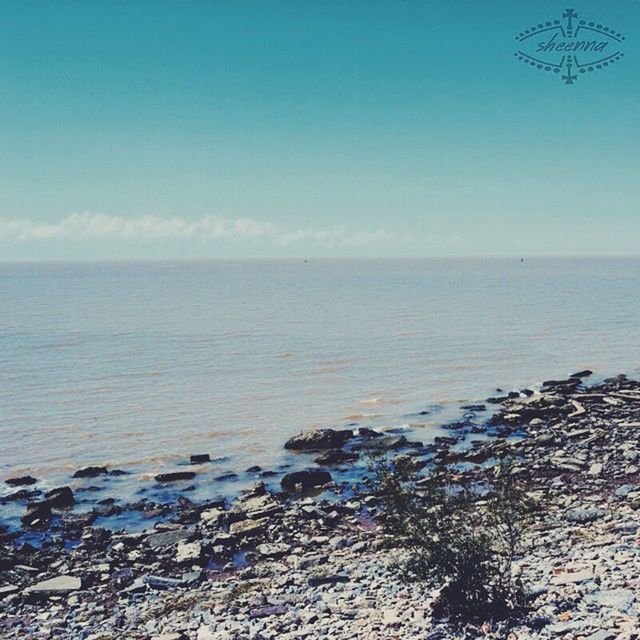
90	472
160	582
60	498
8	590
38	515
315	581
59	585
21	481
621	599
190	552
582	516
173	635
595	469
175	476
335	457
624	490
319	439
200	458
308	479
265	612
246	528
273	549
582	374
167	538
212	516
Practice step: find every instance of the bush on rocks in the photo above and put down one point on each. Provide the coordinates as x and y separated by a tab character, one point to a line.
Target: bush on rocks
460	541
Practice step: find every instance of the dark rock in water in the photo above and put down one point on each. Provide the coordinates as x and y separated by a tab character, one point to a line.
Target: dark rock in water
226	476
319	439
527	392
386	443
74	524
365	432
335	457
21	494
200	458
90	472
257	490
21	481
177	475
473	407
60	498
254	469
38	515
118	472
582	374
305	479
268	474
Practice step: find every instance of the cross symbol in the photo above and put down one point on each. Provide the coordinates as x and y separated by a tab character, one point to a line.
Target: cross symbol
569	14
568	79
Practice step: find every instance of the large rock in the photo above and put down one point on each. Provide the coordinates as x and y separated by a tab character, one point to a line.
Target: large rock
22	480
90	472
57	585
304	480
177	475
319	439
38	515
60	498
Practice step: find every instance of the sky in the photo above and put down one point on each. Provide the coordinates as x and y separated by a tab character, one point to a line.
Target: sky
282	128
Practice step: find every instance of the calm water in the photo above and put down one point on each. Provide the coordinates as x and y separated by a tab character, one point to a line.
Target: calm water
137	365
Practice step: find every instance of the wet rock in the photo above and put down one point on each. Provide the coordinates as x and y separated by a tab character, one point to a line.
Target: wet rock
38	515
304	480
60	498
582	516
8	590
90	472
200	458
175	476
21	481
335	457
319	439
582	374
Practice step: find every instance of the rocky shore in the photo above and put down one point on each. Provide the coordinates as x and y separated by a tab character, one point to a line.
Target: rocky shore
305	559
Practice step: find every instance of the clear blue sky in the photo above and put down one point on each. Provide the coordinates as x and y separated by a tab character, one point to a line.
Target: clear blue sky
297	128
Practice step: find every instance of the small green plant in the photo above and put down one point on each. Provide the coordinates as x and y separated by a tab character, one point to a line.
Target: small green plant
459	539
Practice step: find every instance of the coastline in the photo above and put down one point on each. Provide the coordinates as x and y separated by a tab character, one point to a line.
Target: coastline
292	564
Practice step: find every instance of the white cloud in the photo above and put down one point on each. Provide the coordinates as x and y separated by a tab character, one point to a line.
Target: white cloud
147	229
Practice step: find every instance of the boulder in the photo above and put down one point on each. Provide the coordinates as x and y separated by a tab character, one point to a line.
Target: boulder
90	472
177	475
21	481
56	586
319	439
38	515
308	479
60	498
200	458
188	552
246	528
335	457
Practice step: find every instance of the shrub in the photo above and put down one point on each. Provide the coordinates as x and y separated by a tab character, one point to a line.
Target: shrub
457	538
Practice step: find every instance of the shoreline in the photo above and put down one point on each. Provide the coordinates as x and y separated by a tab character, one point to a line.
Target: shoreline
293	564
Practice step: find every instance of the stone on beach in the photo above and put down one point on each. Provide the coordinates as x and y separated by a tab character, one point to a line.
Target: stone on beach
200	458
59	585
60	498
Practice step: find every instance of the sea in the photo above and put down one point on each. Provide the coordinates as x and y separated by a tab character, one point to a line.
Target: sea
138	365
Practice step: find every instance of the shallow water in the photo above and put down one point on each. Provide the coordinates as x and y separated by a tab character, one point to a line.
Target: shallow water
138	365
